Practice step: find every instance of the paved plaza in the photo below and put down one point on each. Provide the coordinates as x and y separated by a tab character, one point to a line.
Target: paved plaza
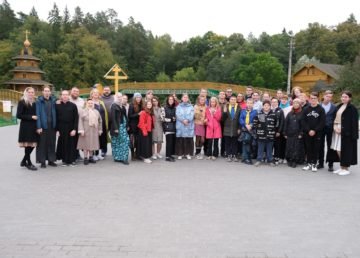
191	208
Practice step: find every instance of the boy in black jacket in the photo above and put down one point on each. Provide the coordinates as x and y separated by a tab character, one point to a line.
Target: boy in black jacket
313	123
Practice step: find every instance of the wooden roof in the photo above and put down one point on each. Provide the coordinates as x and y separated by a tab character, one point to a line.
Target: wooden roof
331	69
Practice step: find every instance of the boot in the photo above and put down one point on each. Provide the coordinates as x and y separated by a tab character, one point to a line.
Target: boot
132	154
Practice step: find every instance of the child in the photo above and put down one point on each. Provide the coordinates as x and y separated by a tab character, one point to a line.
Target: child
213	128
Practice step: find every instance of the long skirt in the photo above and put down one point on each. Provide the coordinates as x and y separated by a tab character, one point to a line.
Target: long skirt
120	144
145	146
46	147
66	145
295	150
336	141
184	146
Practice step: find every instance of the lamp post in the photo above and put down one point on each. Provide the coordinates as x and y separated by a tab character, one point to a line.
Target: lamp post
291	46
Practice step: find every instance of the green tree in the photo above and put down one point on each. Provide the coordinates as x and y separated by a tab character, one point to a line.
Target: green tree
162	77
186	74
78	18
8	20
55	21
6	52
66	23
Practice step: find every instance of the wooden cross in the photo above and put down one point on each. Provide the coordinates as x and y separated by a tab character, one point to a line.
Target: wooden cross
116	77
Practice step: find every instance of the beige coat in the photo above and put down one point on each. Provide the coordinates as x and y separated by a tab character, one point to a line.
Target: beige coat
90	140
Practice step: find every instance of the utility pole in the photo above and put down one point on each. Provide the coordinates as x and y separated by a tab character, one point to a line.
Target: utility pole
291	46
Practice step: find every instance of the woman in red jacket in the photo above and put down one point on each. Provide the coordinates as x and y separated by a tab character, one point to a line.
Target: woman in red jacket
213	128
146	126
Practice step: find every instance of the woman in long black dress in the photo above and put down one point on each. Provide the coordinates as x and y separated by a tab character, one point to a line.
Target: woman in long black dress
28	138
134	109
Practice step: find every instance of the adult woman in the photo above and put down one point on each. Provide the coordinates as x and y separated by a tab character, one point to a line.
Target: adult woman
134	109
99	105
146	126
185	128
169	127
200	123
90	128
118	131
293	133
213	128
157	133
295	93
240	100
345	135
26	112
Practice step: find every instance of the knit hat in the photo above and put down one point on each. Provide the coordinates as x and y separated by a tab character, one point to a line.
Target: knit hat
137	94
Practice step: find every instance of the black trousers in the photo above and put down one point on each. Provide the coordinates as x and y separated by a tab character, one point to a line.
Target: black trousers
212	147
312	146
222	146
231	145
184	146
279	147
170	144
326	136
145	143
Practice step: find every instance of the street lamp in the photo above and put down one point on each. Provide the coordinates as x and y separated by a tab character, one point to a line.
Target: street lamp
291	46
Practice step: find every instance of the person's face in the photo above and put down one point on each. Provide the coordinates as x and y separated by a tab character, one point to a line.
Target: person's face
119	97
274	103
232	101
30	93
255	96
266	107
345	99
249	91
124	99
90	104
95	95
138	100
65	96
297	92
240	98
185	98
46	93
228	92
250	104
313	100
221	95
328	98
149	105
296	105
302	98
266	97
155	102
279	94
202	101
212	103
203	93
75	93
149	95
171	101
283	101
106	91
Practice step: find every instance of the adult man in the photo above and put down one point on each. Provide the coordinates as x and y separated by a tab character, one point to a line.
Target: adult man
249	92
222	103
228	94
107	98
203	93
46	128
330	110
67	119
257	102
74	98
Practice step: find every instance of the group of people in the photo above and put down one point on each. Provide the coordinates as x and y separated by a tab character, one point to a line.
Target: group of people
284	129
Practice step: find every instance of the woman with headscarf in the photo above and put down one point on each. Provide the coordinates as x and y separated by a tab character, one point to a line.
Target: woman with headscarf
26	111
118	131
90	128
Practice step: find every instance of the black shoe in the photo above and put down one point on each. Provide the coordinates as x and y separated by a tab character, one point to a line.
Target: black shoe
320	166
125	162
43	165
91	160
52	164
170	159
23	164
331	168
86	161
248	162
31	167
293	164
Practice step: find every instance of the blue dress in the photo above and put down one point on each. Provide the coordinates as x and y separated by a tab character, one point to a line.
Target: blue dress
120	143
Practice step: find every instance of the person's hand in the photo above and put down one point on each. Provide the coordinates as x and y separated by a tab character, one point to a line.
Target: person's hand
34	117
58	133
277	134
116	131
100	133
39	131
285	136
238	131
225	109
58	102
300	136
72	133
82	134
185	122
338	130
248	127
312	132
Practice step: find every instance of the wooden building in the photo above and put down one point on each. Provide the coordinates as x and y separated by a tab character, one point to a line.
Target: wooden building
27	72
316	76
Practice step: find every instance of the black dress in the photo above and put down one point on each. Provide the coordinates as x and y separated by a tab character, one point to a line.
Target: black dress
27	132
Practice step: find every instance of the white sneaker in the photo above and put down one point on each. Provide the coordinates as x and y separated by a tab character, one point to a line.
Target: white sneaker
100	157
313	168
148	161
213	158
159	156
344	172
180	157
208	157
337	171
307	167
154	157
188	157
199	157
95	157
284	161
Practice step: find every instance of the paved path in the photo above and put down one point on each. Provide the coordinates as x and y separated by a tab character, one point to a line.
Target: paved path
187	209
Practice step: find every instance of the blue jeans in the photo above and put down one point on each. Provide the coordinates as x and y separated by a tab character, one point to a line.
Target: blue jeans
265	146
246	151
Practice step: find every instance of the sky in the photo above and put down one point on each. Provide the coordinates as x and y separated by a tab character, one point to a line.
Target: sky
189	18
